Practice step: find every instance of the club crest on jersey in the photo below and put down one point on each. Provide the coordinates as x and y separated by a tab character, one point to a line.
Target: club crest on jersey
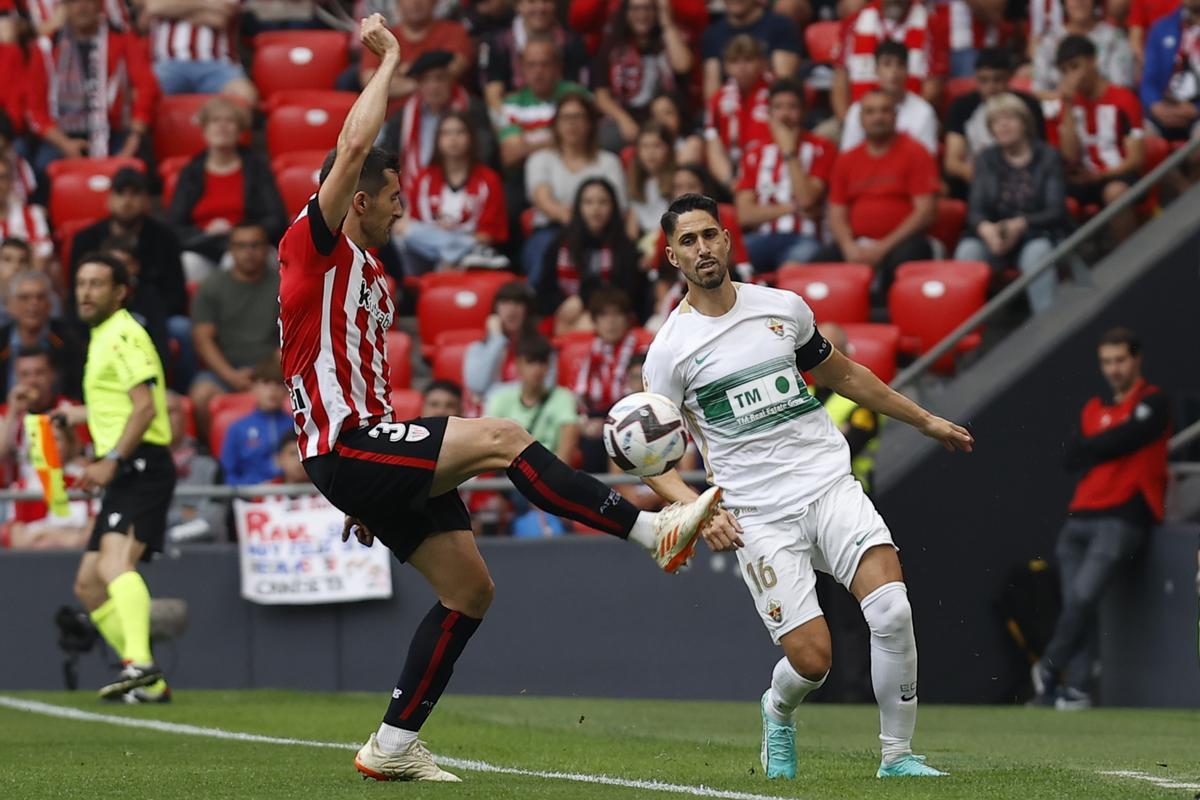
775	325
775	611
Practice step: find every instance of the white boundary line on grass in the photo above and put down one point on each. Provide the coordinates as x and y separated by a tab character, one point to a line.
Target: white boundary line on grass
1162	783
66	712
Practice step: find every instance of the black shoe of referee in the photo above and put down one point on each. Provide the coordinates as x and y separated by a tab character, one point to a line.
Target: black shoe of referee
132	677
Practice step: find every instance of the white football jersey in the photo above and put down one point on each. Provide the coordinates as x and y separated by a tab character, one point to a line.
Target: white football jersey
768	443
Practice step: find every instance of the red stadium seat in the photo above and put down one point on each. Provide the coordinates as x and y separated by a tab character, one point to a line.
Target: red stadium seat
313	159
835	292
930	298
79	187
448	363
821	40
948	225
458	336
218	426
177	129
309	124
189	415
406	403
64	238
242	402
875	347
296	185
168	171
453	307
485	279
1157	150
399	359
288	60
1021	83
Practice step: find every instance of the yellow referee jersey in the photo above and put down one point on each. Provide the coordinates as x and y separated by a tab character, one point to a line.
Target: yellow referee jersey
120	356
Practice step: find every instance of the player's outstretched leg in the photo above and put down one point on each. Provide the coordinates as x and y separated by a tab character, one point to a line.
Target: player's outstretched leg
454	568
474	446
802	670
884	601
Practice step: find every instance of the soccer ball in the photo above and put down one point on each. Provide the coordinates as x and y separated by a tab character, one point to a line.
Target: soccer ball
644	434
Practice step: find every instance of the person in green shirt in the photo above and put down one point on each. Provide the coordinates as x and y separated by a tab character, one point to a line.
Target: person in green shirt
551	415
125	408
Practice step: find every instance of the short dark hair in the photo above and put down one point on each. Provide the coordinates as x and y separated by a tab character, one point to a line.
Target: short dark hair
288	440
685	203
1123	336
606	297
20	244
786	86
120	244
35	351
1072	47
444	385
371	177
891	49
248	224
994	58
120	273
534	347
514	292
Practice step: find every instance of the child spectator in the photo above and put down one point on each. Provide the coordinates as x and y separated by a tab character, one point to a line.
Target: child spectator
549	413
442	398
737	111
222	187
914	115
247	454
235	314
781	193
456	211
1114	57
288	464
493	360
194	47
776	36
644	53
600	382
592	252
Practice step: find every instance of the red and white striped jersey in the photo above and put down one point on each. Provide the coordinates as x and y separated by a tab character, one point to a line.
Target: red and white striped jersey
28	223
1045	18
334	315
928	54
765	172
739	121
965	31
1101	124
42	12
180	40
24	179
475	207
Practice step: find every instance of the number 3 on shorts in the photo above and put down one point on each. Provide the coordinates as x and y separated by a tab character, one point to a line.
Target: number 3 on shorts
764	578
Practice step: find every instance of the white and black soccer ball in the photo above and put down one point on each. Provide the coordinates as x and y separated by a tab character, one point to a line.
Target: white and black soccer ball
644	434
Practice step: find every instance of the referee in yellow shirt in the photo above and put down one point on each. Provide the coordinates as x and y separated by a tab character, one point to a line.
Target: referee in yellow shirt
125	408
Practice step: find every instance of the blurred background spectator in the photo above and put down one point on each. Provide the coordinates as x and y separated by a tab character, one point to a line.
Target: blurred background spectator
29	303
493	359
192	519
442	398
145	303
504	61
250	443
24	221
1114	57
775	35
194	47
648	181
914	115
224	186
668	110
419	32
737	109
550	413
236	314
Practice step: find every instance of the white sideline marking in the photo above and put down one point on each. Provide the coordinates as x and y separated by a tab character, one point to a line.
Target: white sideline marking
1162	783
66	712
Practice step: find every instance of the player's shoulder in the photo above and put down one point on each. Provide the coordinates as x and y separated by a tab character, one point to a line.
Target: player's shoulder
768	296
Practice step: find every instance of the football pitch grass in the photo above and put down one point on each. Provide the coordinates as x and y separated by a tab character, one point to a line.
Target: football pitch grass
700	748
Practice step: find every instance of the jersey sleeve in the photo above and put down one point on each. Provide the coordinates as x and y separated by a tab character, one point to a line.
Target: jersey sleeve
308	243
659	374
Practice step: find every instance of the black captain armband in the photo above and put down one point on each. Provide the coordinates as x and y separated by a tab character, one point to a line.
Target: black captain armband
813	352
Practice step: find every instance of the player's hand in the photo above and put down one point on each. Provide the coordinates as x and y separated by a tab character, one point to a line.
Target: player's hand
377	38
722	533
360	531
97	474
953	437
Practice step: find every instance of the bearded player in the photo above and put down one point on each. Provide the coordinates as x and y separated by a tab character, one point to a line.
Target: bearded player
731	357
398	480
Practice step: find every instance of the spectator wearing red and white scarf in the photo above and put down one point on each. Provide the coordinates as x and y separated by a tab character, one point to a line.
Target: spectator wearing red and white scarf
22	221
644	53
1099	133
910	22
456	210
593	251
92	91
193	44
737	113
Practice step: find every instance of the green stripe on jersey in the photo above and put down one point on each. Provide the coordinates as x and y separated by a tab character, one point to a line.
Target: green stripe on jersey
756	398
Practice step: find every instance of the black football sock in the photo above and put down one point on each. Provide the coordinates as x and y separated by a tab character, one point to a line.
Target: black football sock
553	486
437	644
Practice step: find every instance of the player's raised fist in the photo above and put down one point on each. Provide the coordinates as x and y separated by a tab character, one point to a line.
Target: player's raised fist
377	38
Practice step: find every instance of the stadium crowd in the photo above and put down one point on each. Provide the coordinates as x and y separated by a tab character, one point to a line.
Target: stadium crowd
541	141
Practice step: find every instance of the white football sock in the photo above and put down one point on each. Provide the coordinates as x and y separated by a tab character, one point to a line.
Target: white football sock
788	690
893	666
643	530
392	739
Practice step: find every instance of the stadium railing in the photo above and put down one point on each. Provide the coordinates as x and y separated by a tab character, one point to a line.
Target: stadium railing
1067	252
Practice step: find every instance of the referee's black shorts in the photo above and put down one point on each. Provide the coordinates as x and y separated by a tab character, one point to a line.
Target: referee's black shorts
139	496
382	475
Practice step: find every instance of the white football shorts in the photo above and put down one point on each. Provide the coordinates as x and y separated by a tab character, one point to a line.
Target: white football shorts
831	534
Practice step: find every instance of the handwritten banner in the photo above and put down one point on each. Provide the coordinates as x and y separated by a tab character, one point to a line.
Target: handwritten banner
292	553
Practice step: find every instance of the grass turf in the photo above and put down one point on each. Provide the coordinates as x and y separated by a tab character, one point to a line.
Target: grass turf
991	752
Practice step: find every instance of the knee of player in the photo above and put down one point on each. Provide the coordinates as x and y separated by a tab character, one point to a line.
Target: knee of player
814	662
508	438
473	599
889	614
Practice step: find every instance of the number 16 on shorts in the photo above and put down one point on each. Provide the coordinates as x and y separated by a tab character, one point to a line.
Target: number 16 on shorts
779	574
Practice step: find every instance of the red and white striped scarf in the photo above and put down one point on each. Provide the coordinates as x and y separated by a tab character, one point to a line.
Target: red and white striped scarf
80	96
601	379
569	278
871	28
410	131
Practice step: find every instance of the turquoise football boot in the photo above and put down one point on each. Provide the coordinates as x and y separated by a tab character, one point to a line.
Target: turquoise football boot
778	753
909	766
